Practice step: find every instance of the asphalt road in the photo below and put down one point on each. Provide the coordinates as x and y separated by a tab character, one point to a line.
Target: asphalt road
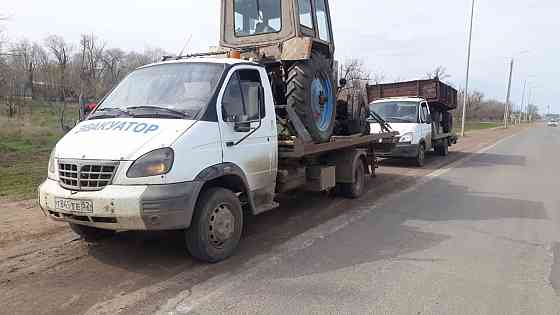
474	233
478	237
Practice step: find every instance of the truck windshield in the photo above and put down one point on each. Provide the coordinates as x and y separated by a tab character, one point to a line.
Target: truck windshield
181	88
396	112
254	17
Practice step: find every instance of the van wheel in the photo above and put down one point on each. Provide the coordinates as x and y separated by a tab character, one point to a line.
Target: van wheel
91	234
216	228
444	150
356	189
421	155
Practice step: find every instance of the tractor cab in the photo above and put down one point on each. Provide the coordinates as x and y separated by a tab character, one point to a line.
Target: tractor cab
277	29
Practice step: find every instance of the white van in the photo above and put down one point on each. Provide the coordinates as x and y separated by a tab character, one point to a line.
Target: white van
418	130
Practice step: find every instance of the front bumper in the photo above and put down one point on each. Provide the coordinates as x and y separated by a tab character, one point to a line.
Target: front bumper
401	151
148	207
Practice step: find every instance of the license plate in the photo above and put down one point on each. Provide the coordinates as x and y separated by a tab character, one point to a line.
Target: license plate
73	205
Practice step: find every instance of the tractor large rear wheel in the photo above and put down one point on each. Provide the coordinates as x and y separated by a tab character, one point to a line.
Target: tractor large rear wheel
311	92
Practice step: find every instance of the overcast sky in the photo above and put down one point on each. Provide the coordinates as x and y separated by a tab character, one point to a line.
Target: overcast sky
403	39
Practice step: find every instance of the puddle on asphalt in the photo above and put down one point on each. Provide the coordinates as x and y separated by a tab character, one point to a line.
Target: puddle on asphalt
555	270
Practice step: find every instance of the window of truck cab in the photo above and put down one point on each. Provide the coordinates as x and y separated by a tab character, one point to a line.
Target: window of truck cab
242	96
257	17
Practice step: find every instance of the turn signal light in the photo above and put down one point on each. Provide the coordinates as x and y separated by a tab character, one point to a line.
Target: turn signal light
235	54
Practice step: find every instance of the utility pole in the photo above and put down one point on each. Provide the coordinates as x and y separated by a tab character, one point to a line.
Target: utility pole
522	101
506	112
466	95
528	105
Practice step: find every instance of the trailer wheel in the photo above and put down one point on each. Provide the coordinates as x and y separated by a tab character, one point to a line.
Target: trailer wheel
356	189
421	155
91	234
311	91
216	228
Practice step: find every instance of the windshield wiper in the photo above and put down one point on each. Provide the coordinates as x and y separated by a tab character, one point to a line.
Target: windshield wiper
109	113
157	111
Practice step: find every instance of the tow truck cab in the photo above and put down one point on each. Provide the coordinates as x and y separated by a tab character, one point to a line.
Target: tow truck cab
166	133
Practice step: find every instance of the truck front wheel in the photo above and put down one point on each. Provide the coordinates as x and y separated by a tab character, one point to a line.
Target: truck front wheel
91	234
216	227
421	155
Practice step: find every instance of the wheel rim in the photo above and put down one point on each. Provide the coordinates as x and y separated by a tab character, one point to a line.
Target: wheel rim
322	103
221	225
359	184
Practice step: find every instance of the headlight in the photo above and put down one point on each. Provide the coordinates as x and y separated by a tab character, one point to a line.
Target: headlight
406	138
154	163
52	169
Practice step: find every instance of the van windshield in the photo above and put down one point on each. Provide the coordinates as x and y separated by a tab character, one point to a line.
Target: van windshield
396	111
183	88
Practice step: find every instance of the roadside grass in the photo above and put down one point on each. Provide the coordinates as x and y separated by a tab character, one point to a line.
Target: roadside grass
25	145
476	125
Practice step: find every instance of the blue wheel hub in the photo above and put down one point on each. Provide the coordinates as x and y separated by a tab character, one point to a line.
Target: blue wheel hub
322	103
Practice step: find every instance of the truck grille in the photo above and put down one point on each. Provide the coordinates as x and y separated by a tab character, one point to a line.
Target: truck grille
86	175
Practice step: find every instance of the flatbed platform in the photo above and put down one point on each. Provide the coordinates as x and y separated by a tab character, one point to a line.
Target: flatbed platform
296	149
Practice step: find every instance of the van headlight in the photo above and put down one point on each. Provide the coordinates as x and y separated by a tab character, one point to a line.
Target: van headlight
52	169
406	138
154	163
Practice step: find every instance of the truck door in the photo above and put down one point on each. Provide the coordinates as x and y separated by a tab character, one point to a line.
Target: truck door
426	124
248	128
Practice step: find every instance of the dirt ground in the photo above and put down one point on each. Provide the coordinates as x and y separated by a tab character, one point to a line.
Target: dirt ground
46	269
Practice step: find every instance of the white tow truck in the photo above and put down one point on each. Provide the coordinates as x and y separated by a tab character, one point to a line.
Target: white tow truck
193	144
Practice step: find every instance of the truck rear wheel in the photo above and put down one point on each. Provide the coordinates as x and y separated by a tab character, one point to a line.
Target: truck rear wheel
216	227
447	122
311	91
356	189
444	149
91	234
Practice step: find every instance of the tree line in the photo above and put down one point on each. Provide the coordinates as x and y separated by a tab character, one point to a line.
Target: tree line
57	70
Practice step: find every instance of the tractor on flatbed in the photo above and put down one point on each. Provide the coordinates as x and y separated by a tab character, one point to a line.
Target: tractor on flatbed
293	39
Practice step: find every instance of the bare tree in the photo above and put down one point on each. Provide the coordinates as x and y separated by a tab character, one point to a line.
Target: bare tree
113	61
62	51
377	78
439	73
28	56
354	69
91	54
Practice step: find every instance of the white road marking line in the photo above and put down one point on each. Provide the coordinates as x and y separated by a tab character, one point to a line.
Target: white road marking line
189	300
